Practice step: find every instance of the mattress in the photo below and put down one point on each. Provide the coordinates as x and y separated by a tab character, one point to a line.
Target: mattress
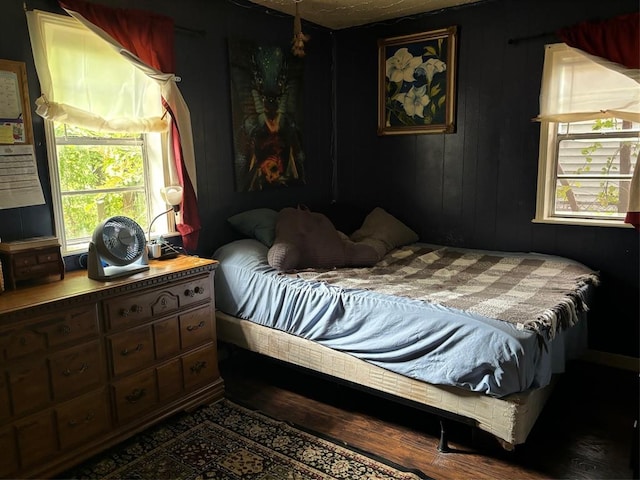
419	340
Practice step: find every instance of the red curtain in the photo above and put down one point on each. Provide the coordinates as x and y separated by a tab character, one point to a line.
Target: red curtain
616	39
150	37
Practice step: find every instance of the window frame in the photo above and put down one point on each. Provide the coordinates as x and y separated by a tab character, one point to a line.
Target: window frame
166	228
548	158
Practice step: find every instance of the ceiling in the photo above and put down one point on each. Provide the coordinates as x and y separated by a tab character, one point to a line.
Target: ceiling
338	14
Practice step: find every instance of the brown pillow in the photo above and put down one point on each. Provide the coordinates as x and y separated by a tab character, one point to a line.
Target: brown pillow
383	231
309	240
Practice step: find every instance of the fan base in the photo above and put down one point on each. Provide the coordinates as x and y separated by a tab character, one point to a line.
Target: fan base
114	271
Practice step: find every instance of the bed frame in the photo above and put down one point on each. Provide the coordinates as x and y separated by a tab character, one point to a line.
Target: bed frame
508	419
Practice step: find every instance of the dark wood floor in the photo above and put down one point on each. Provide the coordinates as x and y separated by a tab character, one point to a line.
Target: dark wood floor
584	432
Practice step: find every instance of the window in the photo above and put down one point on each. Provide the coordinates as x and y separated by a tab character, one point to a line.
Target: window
103	160
587	154
96	176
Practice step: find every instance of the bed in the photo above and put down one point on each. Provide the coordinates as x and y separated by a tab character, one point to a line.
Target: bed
475	336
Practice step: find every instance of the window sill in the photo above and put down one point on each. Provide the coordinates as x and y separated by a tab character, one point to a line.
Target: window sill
584	222
79	248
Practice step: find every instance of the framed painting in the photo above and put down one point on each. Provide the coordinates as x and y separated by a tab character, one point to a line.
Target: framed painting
416	83
266	107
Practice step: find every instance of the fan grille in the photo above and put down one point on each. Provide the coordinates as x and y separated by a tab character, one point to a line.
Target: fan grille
123	240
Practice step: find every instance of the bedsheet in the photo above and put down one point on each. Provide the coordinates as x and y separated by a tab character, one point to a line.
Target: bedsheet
422	340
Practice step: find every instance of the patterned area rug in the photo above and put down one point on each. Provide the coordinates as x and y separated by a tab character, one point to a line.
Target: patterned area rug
228	442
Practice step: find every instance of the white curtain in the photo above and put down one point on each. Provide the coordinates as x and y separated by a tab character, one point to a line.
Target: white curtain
76	73
568	94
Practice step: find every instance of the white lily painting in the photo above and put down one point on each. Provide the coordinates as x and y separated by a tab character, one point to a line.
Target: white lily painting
416	83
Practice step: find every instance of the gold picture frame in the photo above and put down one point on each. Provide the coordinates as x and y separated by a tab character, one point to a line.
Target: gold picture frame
416	83
15	110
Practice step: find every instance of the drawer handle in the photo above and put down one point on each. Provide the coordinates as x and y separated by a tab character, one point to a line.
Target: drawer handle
126	351
196	291
74	423
136	395
134	309
83	368
192	328
197	367
64	330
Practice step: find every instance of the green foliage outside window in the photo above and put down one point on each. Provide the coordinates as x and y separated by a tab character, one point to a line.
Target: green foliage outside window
101	175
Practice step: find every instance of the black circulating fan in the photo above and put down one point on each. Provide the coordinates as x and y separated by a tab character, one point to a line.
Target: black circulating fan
117	249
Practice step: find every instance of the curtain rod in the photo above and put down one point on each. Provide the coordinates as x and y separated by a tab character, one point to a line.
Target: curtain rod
515	41
179	28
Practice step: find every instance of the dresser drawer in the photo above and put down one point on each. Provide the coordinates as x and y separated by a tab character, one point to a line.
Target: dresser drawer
5	406
196	327
21	343
36	438
131	350
129	310
74	324
28	272
82	419
169	379
9	449
76	369
51	331
135	395
200	367
166	337
196	290
29	386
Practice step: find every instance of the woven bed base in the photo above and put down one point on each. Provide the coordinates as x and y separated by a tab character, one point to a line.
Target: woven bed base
509	419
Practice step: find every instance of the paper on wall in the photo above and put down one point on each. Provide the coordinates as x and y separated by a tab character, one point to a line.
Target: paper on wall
19	182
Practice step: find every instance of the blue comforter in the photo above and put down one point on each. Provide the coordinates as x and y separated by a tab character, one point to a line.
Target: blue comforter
421	340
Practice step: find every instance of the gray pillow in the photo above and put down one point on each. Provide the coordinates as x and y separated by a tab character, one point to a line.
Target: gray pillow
385	231
259	223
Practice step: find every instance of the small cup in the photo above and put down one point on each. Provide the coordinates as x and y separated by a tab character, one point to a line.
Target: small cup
154	250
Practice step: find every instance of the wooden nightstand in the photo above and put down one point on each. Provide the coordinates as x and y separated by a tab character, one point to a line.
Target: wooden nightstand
31	263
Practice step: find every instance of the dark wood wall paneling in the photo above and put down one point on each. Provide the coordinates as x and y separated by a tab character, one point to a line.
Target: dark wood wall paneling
477	187
203	64
473	188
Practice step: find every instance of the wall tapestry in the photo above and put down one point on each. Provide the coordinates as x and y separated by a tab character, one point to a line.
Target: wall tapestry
266	86
416	83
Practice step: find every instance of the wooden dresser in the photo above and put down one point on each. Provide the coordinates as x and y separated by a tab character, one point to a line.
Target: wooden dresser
85	364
